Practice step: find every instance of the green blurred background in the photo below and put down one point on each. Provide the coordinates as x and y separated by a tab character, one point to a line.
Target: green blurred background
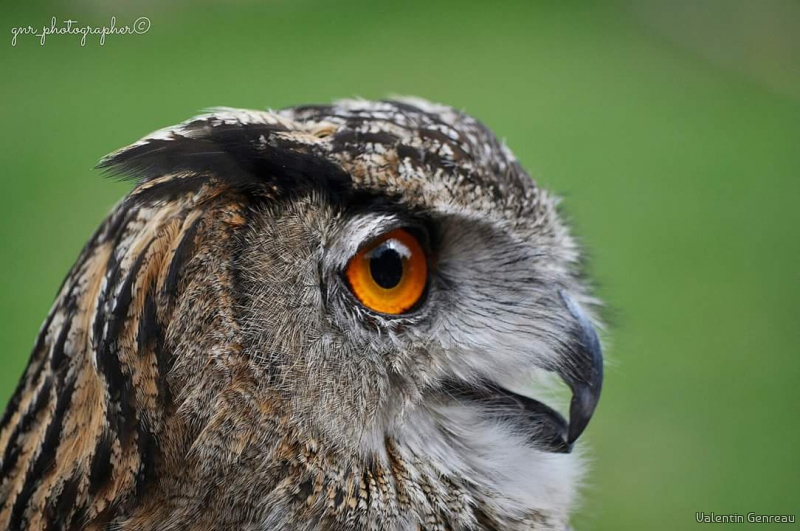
672	129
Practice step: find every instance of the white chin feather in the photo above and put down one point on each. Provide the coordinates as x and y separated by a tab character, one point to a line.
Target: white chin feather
514	477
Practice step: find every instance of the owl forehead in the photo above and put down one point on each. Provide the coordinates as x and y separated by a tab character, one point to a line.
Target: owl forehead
428	155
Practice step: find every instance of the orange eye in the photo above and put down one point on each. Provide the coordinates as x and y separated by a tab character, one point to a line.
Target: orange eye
389	275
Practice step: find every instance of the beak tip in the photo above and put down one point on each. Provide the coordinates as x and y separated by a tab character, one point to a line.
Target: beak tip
584	401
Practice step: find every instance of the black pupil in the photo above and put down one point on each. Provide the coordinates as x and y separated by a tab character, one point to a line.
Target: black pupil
386	266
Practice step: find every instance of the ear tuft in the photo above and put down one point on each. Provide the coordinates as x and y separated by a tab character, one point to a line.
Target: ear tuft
245	150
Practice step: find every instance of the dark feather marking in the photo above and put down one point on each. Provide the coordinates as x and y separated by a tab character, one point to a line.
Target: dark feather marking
414	155
149	329
305	490
151	335
179	258
366	478
58	353
338	497
148	452
47	454
101	466
348	139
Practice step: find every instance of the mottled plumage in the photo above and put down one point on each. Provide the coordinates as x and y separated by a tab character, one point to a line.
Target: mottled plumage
205	365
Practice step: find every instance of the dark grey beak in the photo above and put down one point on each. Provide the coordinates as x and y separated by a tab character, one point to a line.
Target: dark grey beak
583	372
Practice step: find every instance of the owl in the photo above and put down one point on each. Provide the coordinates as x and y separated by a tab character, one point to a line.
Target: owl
321	318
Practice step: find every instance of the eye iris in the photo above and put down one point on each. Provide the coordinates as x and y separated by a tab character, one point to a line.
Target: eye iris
389	275
386	267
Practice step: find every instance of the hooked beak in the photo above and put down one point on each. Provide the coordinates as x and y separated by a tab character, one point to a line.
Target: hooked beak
583	371
581	367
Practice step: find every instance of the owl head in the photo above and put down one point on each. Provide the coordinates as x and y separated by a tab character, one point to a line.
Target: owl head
303	305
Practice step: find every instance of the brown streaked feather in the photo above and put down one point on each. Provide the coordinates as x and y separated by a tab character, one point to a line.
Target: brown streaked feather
89	411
